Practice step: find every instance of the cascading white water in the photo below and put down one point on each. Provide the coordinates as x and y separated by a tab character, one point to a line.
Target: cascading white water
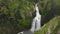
36	24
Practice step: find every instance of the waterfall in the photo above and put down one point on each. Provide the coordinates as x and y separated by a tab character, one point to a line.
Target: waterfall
36	23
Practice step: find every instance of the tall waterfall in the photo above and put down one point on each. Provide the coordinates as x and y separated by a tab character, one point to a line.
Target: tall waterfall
36	24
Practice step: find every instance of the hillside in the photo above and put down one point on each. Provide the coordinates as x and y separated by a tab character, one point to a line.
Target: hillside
52	27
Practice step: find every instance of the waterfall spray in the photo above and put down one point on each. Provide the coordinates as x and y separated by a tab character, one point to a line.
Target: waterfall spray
36	24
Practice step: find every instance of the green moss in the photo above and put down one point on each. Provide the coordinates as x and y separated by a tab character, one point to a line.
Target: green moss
51	23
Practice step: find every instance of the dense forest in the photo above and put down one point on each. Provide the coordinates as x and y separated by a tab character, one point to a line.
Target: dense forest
17	15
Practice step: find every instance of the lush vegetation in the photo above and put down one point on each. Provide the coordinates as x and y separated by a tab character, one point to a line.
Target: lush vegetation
17	15
52	27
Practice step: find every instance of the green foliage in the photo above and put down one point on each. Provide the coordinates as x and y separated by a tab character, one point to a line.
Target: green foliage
12	16
15	15
52	25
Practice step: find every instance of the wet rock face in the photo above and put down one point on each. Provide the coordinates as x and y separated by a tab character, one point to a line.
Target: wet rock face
26	32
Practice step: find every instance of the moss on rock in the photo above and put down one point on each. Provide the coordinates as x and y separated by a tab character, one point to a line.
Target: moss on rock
52	27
